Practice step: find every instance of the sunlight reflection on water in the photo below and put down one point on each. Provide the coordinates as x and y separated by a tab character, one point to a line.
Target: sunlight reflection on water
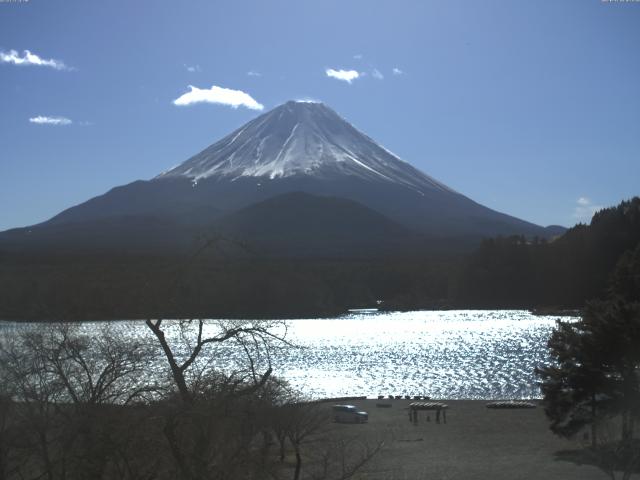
476	354
443	354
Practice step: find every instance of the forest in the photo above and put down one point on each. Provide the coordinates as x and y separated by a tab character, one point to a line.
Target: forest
504	272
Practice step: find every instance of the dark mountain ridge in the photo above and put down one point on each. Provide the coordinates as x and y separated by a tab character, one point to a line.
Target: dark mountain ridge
296	147
298	224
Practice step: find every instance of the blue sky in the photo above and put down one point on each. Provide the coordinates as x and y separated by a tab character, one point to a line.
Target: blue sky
529	107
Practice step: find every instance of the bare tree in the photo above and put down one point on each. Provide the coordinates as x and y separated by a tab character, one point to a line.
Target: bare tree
302	421
617	456
7	431
220	370
97	368
253	338
321	452
343	457
294	421
66	388
81	403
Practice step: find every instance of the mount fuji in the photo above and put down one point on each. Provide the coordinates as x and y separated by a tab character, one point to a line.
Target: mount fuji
297	180
303	140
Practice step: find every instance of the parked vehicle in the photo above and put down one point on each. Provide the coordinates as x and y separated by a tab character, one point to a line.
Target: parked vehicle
349	414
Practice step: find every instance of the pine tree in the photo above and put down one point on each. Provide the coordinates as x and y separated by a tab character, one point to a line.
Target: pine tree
596	369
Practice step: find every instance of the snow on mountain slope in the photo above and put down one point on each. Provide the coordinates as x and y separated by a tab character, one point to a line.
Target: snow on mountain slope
302	139
296	147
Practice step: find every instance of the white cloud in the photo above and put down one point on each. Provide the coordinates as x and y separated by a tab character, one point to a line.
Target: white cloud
43	120
358	56
219	95
193	68
397	71
585	209
377	74
28	58
253	73
307	100
344	75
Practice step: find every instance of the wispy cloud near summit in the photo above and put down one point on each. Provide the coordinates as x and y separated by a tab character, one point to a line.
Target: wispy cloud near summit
28	58
218	95
44	120
344	75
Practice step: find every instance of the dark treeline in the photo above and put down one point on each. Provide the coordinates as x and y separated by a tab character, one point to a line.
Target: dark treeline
68	288
511	272
516	272
592	386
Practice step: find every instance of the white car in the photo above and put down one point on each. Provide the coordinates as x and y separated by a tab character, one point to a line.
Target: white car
349	414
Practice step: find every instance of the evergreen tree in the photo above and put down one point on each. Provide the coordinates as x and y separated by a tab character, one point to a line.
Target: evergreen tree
596	369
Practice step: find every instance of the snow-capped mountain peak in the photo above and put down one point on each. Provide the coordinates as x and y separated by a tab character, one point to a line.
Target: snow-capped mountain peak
301	138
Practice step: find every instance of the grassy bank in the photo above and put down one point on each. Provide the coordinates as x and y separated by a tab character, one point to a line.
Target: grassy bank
475	443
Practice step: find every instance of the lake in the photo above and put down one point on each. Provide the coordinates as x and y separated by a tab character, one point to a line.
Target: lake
457	354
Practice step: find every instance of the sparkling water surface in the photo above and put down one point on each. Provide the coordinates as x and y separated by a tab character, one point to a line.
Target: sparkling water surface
455	354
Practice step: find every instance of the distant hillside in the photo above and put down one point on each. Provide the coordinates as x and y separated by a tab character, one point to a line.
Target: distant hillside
512	271
302	225
121	234
296	147
259	275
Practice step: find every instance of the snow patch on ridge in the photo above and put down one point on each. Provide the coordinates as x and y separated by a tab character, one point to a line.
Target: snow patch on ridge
302	138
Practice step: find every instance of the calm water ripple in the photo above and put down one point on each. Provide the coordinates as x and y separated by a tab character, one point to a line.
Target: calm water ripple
478	354
443	354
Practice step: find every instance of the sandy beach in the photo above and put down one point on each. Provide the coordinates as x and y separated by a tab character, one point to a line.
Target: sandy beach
475	443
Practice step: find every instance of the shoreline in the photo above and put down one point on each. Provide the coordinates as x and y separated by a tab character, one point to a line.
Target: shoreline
536	311
475	443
